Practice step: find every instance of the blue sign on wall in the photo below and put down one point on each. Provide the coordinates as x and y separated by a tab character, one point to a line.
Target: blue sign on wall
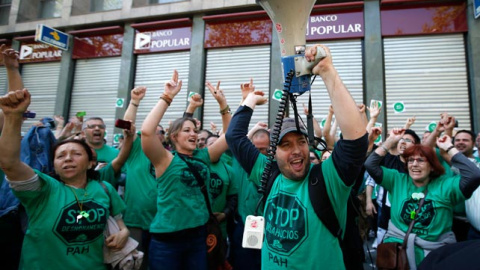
476	8
51	37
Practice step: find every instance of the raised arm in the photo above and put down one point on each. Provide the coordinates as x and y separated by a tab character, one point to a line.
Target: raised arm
122	156
194	102
349	118
470	174
10	59
219	146
242	148
374	111
327	129
136	96
373	161
410	121
14	104
151	145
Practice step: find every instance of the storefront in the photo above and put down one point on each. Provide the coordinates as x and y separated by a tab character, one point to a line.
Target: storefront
342	32
162	47
232	62
40	69
97	74
425	64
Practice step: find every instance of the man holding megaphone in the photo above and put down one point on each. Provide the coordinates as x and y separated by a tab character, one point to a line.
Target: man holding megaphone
295	237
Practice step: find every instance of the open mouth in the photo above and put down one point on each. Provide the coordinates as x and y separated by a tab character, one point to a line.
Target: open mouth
297	164
68	167
97	135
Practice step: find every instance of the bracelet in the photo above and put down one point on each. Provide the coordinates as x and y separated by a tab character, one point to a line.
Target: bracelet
384	148
449	148
134	104
225	111
167	99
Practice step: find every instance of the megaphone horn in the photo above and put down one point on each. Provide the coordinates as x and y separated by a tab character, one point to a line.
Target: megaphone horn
290	19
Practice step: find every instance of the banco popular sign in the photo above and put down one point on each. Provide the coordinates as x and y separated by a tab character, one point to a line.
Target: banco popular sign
334	26
163	40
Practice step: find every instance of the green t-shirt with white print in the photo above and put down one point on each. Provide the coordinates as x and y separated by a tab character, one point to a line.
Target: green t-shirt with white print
56	238
293	231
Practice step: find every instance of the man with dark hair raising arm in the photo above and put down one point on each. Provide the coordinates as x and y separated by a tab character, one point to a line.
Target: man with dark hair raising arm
294	235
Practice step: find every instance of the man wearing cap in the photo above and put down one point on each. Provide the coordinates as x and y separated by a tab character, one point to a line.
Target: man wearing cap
294	235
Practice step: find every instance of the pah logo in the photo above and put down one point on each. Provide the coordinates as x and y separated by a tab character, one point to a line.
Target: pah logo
26	52
286	226
143	40
73	231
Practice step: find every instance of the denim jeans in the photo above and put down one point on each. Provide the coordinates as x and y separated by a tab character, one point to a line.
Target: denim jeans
243	258
180	253
473	234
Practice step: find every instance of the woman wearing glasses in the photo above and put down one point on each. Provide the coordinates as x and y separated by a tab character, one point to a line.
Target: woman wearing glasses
432	226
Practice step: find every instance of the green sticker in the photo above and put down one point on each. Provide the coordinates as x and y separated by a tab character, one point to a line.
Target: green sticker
431	127
379	139
399	107
120	102
191	94
378	124
116	138
277	94
322	124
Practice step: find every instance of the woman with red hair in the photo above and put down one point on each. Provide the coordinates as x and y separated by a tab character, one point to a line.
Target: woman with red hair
433	222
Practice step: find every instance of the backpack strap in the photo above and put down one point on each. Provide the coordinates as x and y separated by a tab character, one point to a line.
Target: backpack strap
317	191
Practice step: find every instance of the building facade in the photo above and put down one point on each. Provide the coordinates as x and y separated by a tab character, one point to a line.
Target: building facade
419	58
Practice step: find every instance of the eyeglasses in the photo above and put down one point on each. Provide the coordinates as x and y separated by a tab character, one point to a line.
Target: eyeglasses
418	160
407	140
100	126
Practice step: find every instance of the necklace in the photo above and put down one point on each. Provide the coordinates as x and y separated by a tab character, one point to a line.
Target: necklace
83	214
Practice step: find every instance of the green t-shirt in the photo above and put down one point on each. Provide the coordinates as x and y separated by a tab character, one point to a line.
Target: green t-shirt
106	154
220	186
140	189
248	195
295	238
180	202
436	215
108	174
54	239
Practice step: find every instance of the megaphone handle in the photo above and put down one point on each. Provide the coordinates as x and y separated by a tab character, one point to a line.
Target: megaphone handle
321	53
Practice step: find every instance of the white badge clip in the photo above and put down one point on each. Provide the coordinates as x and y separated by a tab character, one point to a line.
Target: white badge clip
253	232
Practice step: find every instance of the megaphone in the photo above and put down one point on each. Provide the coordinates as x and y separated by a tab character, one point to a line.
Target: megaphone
290	19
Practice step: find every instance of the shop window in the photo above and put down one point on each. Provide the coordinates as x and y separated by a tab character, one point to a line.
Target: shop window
5	11
50	9
105	5
164	1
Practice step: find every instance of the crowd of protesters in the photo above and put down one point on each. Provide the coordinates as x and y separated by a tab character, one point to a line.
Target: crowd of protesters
61	184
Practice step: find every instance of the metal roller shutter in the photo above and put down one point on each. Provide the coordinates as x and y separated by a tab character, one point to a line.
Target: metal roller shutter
41	80
234	66
152	71
94	90
429	75
3	80
347	57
